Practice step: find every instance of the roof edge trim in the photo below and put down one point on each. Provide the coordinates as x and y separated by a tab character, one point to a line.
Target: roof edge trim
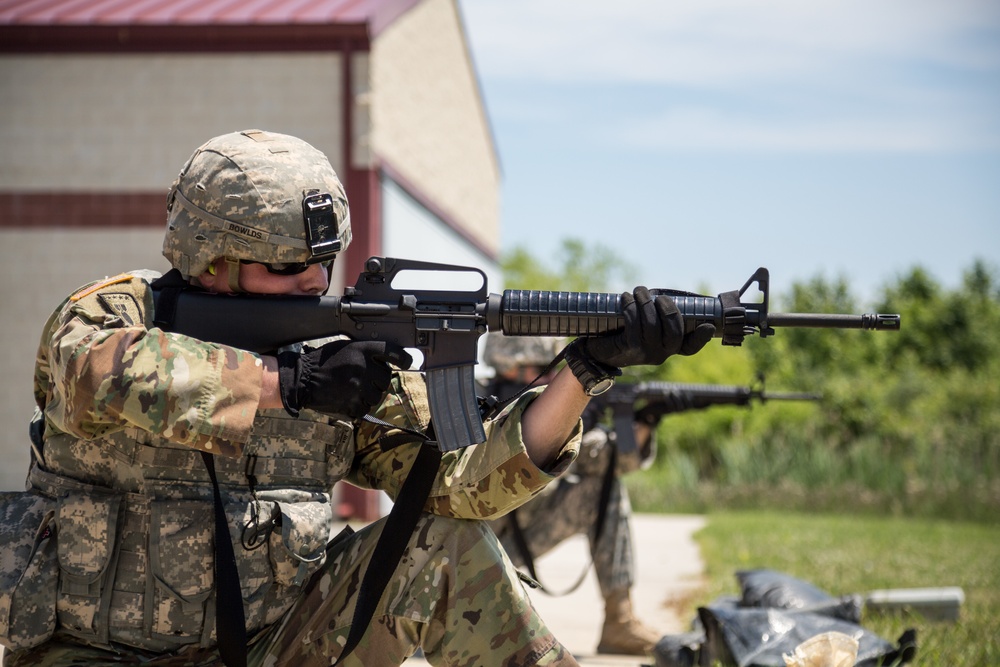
183	38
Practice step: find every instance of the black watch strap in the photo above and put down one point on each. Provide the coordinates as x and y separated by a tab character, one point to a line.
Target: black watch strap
595	377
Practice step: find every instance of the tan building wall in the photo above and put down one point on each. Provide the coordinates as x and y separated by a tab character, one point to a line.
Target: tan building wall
122	123
125	123
429	121
128	122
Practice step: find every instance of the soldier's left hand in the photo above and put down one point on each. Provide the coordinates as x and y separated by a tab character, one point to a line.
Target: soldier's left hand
653	331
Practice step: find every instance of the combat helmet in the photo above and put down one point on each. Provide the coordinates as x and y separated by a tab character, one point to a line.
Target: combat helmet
506	352
258	196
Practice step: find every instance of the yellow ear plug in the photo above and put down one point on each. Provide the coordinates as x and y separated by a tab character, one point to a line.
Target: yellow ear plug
211	269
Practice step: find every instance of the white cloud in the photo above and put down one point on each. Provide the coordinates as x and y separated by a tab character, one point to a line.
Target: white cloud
788	75
723	42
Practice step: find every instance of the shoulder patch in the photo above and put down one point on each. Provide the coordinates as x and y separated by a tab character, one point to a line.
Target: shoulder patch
123	297
120	278
123	305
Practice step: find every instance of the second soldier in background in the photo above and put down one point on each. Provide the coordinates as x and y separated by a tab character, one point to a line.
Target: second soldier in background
590	499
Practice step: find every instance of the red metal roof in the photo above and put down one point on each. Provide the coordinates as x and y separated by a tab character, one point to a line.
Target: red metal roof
183	24
172	12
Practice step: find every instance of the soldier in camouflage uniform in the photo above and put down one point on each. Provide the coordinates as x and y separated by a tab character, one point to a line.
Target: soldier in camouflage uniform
569	506
109	556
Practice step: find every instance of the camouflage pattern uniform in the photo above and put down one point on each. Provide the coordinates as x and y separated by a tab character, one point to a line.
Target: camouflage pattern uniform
120	539
569	506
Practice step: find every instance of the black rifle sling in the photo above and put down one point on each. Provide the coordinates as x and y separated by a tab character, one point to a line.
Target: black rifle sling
230	621
491	406
521	542
396	533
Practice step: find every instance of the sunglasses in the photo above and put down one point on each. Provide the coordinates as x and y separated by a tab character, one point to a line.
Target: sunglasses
289	268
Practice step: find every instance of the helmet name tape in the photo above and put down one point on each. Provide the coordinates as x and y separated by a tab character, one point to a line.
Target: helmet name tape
245	231
234	227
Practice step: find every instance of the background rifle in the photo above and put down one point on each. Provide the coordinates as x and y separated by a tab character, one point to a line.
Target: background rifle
654	400
445	325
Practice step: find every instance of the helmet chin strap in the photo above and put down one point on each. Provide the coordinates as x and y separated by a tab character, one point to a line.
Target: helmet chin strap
233	273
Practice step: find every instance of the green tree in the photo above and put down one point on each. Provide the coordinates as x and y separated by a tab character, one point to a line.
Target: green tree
576	268
908	424
947	329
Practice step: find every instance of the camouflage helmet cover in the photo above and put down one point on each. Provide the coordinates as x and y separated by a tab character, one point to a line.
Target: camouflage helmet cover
504	353
241	195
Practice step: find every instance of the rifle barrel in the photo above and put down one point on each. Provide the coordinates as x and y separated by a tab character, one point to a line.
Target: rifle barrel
872	321
789	396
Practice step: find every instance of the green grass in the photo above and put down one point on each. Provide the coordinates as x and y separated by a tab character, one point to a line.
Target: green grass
677	490
844	554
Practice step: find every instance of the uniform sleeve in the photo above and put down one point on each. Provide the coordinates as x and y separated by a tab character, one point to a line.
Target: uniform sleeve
101	367
482	481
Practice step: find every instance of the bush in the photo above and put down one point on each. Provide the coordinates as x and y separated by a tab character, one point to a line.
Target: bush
908	423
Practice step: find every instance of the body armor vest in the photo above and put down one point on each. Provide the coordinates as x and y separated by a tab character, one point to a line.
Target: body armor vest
128	554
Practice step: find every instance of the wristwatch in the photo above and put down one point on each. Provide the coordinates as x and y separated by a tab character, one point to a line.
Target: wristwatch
595	377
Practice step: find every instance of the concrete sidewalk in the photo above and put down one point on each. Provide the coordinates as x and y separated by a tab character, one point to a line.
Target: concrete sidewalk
668	569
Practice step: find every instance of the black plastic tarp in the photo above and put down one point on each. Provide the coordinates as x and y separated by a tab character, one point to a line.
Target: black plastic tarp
776	613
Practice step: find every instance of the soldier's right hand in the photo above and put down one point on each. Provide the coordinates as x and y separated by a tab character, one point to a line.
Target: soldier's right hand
342	377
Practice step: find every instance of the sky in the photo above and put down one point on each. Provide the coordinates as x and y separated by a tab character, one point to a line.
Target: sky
701	139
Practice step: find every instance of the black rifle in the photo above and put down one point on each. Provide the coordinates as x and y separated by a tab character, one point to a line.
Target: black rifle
658	399
652	400
445	325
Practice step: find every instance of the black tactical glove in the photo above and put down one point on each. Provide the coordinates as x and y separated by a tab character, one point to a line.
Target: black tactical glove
653	331
343	377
